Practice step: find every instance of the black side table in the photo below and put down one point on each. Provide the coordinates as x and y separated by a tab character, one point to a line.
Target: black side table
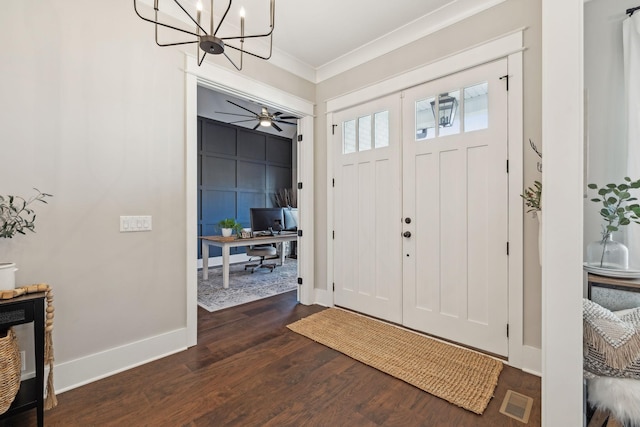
25	309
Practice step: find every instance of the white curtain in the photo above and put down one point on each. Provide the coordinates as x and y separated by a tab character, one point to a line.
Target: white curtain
631	41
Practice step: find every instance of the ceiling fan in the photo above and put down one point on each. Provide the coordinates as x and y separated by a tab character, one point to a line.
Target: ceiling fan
264	118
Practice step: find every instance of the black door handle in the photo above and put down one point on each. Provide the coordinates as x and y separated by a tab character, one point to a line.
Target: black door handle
407	234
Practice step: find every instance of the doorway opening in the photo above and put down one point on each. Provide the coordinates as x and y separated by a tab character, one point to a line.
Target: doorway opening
227	82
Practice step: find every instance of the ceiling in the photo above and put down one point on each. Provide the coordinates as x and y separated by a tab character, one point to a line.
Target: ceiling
319	39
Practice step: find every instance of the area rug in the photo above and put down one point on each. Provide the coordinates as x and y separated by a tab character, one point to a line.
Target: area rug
457	375
244	286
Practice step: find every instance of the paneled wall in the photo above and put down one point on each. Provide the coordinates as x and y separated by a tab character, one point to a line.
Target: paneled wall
238	169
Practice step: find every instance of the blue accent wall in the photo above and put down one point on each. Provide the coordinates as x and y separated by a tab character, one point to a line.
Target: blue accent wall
238	169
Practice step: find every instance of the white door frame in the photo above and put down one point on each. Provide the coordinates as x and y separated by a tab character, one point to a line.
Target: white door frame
509	46
562	224
223	80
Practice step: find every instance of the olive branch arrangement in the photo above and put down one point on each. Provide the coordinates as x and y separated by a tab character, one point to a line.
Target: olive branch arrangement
16	214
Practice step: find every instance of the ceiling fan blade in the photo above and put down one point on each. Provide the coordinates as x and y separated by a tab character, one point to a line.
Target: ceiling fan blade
279	113
276	127
256	126
233	114
287	118
286	123
240	106
240	121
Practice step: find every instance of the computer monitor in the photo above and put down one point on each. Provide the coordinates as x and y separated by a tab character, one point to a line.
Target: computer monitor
263	219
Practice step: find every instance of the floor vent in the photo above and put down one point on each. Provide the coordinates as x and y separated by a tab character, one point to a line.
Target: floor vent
517	406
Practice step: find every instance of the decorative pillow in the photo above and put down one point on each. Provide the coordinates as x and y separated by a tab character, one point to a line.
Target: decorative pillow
612	343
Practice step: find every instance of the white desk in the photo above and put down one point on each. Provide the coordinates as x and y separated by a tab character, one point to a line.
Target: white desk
226	243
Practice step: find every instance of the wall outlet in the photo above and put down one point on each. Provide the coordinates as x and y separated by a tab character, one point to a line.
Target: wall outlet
23	359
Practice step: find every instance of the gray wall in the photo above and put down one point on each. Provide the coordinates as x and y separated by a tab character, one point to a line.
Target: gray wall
92	111
506	17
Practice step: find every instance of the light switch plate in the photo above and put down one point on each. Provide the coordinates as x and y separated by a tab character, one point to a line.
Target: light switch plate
129	223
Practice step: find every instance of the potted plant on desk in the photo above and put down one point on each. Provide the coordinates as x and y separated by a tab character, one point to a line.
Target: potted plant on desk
228	225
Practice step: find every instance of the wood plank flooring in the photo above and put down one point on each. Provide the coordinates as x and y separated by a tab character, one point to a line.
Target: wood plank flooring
249	370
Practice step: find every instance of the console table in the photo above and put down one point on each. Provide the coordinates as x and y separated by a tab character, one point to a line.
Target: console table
593	280
26	309
226	243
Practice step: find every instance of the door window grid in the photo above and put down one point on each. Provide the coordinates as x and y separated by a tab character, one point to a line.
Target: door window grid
366	132
449	110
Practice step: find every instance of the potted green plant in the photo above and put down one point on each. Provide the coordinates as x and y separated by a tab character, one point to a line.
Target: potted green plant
617	211
228	225
16	217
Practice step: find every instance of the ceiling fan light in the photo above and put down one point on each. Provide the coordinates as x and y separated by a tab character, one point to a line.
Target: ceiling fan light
265	121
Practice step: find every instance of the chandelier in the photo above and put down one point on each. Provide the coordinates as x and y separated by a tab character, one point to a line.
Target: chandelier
208	41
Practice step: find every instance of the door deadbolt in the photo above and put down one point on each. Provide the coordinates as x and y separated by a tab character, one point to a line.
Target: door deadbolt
407	220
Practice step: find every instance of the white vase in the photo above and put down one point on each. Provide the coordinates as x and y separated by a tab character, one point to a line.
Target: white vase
226	232
7	275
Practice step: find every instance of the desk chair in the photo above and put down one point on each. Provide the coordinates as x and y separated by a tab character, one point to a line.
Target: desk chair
261	251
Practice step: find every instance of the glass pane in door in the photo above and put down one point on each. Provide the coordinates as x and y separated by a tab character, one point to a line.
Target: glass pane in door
349	137
448	117
476	107
425	119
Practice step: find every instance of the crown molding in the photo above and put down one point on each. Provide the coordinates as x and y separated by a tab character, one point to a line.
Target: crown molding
447	15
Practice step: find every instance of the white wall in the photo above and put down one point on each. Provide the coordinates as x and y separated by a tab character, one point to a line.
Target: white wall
605	103
92	111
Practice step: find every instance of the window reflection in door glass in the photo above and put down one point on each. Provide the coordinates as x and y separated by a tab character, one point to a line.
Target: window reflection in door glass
364	133
425	120
476	107
349	137
381	123
447	113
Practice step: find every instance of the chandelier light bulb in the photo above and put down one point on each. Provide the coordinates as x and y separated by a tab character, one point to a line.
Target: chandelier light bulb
242	12
199	6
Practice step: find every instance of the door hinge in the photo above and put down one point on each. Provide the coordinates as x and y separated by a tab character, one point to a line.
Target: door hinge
299	233
333	234
299	186
507	330
299	280
334	286
333	129
299	138
333	182
507	165
506	77
507	248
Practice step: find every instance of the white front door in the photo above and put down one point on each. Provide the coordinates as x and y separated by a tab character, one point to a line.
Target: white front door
455	197
367	209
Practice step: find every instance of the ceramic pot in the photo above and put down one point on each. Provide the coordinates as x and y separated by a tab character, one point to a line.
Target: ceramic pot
7	275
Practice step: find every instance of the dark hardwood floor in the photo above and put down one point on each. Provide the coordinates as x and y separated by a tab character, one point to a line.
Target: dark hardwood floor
250	370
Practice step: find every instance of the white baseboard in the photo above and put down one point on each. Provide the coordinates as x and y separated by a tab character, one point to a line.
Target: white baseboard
532	360
323	297
78	372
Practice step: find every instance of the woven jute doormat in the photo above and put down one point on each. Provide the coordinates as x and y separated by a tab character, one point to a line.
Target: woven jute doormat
460	376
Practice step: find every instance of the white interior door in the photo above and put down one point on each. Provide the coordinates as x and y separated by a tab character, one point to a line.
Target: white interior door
367	209
455	195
